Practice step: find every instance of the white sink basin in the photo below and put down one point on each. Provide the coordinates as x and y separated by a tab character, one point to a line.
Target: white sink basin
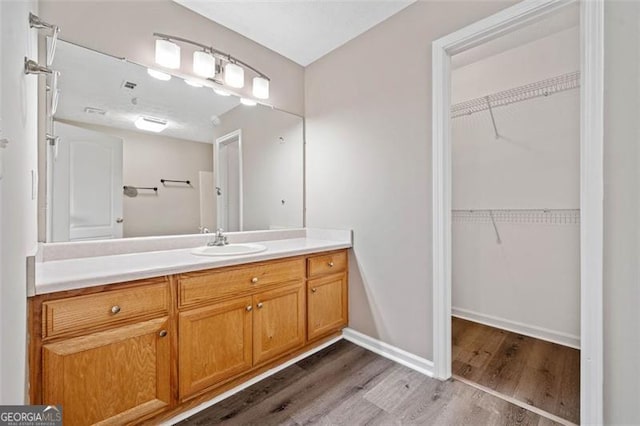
228	250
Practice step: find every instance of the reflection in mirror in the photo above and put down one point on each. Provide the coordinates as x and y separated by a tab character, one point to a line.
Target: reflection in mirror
121	131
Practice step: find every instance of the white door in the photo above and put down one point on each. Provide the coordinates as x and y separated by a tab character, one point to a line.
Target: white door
87	185
228	171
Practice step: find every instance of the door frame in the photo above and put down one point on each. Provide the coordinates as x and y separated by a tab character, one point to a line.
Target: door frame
591	184
236	134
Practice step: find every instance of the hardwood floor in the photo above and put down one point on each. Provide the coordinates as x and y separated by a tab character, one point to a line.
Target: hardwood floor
345	384
539	373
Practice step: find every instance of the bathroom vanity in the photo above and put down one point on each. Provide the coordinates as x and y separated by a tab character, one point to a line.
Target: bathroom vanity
146	349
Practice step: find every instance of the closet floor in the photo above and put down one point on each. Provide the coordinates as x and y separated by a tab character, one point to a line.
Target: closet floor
536	372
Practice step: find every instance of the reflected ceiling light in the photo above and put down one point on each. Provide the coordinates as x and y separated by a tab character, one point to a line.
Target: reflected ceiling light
150	124
158	74
193	83
204	64
221	92
167	54
248	102
207	61
260	87
234	75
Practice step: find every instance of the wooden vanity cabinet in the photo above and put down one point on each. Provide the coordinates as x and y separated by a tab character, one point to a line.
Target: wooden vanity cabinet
327	294
145	350
234	319
106	357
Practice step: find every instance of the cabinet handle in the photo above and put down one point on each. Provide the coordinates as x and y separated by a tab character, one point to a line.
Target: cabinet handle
115	309
249	308
259	305
330	264
162	333
254	280
313	290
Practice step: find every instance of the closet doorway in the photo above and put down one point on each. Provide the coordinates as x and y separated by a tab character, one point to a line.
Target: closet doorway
517	151
228	171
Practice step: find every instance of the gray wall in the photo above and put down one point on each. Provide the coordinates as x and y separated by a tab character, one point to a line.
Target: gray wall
18	210
622	213
369	164
125	29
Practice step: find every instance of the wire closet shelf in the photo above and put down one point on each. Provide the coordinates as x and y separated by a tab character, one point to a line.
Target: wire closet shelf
538	89
520	216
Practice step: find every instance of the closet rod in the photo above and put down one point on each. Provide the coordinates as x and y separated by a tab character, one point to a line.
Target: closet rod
546	87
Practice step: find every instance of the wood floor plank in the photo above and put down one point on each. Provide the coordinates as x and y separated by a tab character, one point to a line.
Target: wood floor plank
348	385
540	373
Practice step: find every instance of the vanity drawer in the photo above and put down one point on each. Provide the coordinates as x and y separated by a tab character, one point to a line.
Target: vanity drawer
197	287
79	313
327	263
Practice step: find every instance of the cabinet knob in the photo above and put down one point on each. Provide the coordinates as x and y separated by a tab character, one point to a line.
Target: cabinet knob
115	309
254	280
120	220
249	308
313	290
330	264
162	333
259	305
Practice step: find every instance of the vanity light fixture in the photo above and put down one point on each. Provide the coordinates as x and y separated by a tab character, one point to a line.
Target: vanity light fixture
158	74
167	54
209	63
150	124
248	102
234	75
204	64
260	88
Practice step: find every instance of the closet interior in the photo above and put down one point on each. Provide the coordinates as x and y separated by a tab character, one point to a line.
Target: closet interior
516	216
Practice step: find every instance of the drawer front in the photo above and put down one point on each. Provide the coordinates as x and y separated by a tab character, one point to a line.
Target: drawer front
198	287
64	316
327	264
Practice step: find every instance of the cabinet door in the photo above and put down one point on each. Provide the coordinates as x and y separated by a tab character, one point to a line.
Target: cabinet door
327	305
115	376
214	344
278	322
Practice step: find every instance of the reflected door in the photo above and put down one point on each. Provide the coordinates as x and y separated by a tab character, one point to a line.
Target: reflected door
228	170
86	202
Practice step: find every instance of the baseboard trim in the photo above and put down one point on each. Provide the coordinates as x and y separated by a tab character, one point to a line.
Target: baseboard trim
248	383
388	351
560	338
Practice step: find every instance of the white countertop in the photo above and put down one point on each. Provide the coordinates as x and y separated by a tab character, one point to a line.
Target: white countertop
69	274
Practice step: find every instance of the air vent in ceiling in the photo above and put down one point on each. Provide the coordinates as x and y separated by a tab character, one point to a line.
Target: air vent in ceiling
129	85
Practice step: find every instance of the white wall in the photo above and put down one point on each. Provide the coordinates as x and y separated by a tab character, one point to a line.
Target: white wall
147	158
19	210
621	212
125	29
272	169
530	282
369	164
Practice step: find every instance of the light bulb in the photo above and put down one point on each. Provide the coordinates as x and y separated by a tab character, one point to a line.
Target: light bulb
221	92
234	75
204	64
193	83
150	124
167	54
248	102
261	88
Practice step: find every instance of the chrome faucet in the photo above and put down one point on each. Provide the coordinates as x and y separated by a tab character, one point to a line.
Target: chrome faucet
220	240
204	230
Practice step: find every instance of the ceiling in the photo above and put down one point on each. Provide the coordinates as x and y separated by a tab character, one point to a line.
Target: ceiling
563	19
95	80
301	30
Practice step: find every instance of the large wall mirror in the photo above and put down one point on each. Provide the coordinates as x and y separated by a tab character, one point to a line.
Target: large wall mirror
138	156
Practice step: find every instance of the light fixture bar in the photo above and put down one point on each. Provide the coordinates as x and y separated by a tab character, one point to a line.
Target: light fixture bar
215	52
